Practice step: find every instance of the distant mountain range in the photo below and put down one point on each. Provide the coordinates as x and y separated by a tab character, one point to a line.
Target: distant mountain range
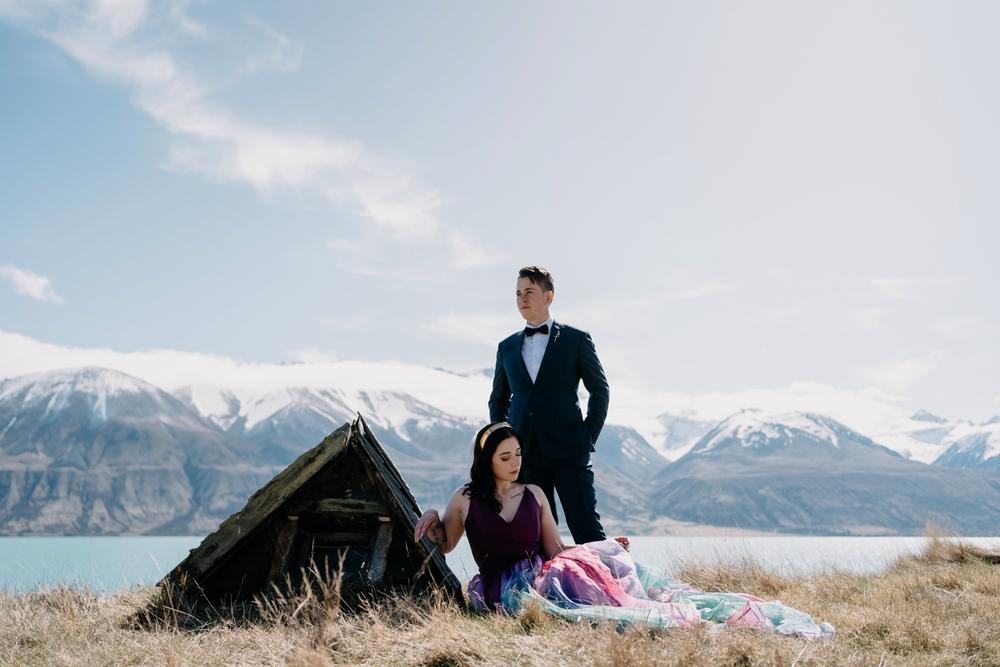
805	473
95	451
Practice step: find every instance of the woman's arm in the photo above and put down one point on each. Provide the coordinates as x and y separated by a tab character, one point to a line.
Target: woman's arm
551	542
444	533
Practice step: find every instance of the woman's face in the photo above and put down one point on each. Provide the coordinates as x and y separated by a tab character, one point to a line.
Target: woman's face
507	460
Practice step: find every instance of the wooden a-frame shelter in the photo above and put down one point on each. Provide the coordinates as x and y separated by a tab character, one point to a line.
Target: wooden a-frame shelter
343	498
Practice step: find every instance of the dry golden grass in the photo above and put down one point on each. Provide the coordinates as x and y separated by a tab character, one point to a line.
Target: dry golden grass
938	608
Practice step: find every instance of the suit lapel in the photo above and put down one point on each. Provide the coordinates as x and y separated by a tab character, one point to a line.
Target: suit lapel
549	349
518	352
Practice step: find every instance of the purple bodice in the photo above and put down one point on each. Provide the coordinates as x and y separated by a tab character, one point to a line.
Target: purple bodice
497	545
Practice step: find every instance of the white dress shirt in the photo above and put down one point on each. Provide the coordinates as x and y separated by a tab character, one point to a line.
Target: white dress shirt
533	349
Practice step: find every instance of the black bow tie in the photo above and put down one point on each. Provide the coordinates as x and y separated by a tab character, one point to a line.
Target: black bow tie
544	329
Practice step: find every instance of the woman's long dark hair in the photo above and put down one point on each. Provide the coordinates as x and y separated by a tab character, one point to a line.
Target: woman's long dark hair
482	484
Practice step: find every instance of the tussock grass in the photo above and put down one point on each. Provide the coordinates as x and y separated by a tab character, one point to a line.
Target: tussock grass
935	608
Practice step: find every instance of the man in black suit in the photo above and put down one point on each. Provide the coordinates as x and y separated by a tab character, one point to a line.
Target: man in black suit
535	386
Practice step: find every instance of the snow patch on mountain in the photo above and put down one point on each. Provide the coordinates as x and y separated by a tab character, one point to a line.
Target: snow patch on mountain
329	404
56	388
966	437
391	410
754	428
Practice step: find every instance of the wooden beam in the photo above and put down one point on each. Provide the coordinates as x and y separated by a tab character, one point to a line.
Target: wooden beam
379	552
283	544
340	539
347	506
385	477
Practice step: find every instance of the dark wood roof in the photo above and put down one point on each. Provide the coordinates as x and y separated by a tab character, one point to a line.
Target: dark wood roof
335	496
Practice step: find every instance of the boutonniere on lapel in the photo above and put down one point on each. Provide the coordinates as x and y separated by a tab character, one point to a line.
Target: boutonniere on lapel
557	334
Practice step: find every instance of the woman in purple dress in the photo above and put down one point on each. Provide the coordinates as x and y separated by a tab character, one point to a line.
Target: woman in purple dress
507	522
522	558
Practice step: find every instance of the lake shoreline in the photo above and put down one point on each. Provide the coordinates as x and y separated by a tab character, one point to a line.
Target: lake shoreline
108	564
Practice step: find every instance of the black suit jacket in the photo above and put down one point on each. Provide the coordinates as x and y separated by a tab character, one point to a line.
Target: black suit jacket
549	409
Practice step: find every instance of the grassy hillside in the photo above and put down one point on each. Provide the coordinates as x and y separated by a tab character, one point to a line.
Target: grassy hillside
938	608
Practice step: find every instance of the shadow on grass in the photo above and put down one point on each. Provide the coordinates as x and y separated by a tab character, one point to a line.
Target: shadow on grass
317	601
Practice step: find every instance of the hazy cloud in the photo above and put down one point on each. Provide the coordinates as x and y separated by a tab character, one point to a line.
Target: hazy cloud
869	411
871	318
482	328
897	288
700	291
30	284
119	40
467	254
898	375
314	355
962	327
173	369
280	54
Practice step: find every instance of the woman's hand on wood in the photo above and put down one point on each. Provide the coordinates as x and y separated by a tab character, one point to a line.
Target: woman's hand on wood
427	521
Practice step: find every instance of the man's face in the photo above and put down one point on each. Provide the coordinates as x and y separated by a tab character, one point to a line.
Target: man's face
532	301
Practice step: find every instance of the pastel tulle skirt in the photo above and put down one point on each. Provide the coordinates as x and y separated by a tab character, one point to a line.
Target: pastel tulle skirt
600	581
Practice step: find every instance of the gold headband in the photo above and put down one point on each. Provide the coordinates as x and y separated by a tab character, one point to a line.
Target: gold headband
490	430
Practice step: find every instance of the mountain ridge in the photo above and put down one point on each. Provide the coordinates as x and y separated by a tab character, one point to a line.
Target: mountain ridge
206	447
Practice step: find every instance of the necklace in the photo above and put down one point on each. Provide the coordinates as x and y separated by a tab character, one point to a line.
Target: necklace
511	497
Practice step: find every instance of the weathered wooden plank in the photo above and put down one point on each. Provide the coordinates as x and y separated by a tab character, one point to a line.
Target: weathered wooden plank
346	506
379	552
283	543
384	475
341	537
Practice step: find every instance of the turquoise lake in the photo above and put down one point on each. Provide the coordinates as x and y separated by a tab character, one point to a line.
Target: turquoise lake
112	563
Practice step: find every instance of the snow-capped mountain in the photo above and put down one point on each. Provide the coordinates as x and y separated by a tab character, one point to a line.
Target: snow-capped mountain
806	473
921	436
91	450
70	417
763	433
431	447
96	451
130	458
929	438
680	434
973	446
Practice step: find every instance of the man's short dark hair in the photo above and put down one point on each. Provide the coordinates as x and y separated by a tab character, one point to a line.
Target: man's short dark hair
538	276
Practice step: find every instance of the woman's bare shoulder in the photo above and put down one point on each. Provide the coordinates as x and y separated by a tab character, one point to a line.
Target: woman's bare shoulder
460	497
537	492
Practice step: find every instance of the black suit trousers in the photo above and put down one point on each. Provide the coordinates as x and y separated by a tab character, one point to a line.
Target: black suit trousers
575	485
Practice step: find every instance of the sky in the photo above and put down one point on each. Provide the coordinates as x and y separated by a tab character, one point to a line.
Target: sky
732	197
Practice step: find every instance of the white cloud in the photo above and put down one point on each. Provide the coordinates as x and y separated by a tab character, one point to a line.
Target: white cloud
902	288
345	321
482	328
898	375
120	41
369	258
282	54
963	328
470	255
314	355
874	413
700	291
180	18
871	318
897	288
30	284
784	316
171	369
